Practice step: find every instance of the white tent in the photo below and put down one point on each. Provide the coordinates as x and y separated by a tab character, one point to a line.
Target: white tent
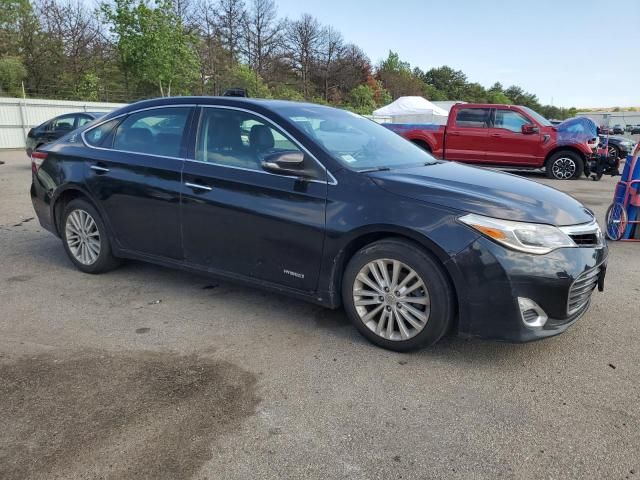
412	110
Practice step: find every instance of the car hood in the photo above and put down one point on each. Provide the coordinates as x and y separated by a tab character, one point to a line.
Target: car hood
484	192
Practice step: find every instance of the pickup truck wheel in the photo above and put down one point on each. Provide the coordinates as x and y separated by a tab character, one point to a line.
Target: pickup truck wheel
422	145
565	165
397	295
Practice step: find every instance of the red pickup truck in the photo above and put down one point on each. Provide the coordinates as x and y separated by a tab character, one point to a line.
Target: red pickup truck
507	136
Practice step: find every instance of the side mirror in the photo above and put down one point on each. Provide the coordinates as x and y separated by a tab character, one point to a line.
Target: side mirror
529	129
285	163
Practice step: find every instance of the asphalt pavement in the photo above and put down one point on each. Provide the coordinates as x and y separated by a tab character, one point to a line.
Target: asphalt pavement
147	372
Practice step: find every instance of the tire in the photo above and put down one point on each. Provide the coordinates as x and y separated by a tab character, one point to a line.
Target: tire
427	311
565	165
614	152
85	238
422	145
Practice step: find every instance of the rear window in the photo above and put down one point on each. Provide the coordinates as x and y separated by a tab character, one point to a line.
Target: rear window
473	117
101	135
155	132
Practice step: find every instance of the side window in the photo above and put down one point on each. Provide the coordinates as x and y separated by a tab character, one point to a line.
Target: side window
63	123
473	117
101	135
156	132
510	120
238	139
83	119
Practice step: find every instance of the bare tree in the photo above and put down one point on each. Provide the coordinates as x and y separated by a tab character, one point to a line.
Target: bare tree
230	19
303	41
331	45
74	31
262	35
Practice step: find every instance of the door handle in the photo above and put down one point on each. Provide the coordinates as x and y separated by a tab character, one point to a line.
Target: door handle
99	169
497	135
197	186
454	134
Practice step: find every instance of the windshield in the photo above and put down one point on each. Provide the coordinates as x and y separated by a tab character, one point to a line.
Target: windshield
353	140
537	117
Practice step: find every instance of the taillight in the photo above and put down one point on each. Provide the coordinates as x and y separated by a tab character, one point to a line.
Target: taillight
36	160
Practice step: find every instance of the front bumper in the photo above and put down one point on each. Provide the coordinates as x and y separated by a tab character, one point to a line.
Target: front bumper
490	279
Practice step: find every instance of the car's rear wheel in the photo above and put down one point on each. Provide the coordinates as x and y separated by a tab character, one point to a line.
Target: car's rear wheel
397	295
85	238
565	165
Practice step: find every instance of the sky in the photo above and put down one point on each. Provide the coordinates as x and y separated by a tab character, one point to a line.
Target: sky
581	53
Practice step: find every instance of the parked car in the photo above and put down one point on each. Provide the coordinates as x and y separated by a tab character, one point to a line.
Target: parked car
628	127
57	127
617	129
635	130
604	130
618	147
323	205
506	136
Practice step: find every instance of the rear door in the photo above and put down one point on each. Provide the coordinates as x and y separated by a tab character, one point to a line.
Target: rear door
507	144
240	219
466	135
134	170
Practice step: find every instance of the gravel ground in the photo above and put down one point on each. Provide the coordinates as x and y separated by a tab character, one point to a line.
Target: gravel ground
147	372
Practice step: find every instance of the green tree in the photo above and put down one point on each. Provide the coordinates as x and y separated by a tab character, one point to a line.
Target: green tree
12	72
397	77
153	45
241	76
362	100
447	80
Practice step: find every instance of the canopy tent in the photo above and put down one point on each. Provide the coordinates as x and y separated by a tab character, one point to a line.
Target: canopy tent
412	110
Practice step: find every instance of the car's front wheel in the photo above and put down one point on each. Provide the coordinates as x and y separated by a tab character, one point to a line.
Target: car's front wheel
85	238
397	295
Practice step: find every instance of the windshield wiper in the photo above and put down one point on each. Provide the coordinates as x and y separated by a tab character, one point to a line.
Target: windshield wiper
374	169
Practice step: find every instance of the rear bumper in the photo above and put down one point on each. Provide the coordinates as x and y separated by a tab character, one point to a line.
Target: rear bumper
491	279
41	201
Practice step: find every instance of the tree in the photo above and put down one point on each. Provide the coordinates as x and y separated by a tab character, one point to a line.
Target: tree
153	45
262	37
362	99
331	45
447	80
230	19
303	41
12	72
397	77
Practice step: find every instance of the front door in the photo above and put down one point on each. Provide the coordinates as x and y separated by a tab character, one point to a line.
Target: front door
467	134
134	170
239	219
507	144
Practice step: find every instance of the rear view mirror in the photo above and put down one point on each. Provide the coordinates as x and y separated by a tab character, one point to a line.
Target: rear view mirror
285	163
529	129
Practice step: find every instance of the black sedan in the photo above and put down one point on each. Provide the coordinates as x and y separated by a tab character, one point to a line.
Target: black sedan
618	147
56	127
323	205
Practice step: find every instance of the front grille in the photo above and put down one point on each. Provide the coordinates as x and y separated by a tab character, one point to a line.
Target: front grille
585	235
580	291
585	239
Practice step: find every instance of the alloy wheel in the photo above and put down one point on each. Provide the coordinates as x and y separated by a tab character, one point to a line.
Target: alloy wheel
391	299
83	237
613	153
564	168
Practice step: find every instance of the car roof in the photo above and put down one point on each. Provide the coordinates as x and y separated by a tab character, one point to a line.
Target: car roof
240	102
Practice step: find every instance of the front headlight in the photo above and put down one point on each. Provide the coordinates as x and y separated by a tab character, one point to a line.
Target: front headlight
533	238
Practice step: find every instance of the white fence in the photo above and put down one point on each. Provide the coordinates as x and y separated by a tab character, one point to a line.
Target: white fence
18	115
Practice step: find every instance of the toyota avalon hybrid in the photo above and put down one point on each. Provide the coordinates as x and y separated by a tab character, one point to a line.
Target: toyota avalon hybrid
323	205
